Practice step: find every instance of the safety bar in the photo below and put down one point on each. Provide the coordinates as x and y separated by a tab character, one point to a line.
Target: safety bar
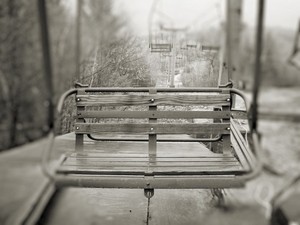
47	153
217	138
255	146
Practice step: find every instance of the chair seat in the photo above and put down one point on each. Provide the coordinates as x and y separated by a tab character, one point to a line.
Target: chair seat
110	164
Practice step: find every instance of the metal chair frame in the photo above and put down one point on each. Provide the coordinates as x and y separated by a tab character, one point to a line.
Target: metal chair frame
168	181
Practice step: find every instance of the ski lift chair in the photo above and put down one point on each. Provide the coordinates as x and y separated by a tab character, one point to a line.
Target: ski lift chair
151	168
91	168
160	42
210	48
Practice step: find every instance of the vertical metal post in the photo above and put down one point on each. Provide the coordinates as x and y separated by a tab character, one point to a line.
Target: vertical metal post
152	137
173	60
230	45
226	143
169	69
79	138
78	39
47	59
259	47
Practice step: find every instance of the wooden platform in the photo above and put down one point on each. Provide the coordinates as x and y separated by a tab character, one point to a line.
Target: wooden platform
137	164
132	158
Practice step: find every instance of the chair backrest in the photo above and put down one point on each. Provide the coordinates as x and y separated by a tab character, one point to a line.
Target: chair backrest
152	113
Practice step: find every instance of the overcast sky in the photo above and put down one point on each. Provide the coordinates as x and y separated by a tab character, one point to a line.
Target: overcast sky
199	13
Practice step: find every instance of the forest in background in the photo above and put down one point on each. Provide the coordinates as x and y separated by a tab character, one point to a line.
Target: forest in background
111	55
277	48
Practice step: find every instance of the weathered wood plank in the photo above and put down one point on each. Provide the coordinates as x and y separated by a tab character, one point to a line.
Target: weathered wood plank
156	114
186	164
105	154
239	153
239	115
151	128
241	148
146	159
152	99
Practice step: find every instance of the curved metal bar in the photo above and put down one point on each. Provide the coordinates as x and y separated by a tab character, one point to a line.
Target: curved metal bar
146	89
227	85
254	135
47	152
46	156
243	96
63	98
258	164
218	138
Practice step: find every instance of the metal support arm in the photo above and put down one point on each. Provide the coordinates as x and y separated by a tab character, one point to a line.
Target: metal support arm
47	152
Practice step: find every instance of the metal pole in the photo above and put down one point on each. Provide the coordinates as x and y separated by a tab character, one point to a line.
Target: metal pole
259	47
173	60
228	42
229	58
78	39
47	60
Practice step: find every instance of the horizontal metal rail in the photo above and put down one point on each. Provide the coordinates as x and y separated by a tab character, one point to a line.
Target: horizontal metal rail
218	138
142	89
47	152
152	182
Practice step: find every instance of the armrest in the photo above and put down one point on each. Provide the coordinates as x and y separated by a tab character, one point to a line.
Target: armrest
47	152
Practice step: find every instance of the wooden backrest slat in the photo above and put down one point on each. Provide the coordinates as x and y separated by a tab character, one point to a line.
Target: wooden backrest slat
155	114
153	128
153	99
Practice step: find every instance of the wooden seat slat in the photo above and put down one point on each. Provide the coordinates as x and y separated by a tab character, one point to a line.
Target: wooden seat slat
88	163
99	154
155	114
158	99
121	165
154	165
152	128
146	159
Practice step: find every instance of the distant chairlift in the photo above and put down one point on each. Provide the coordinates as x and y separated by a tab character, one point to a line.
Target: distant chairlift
160	41
210	48
192	44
